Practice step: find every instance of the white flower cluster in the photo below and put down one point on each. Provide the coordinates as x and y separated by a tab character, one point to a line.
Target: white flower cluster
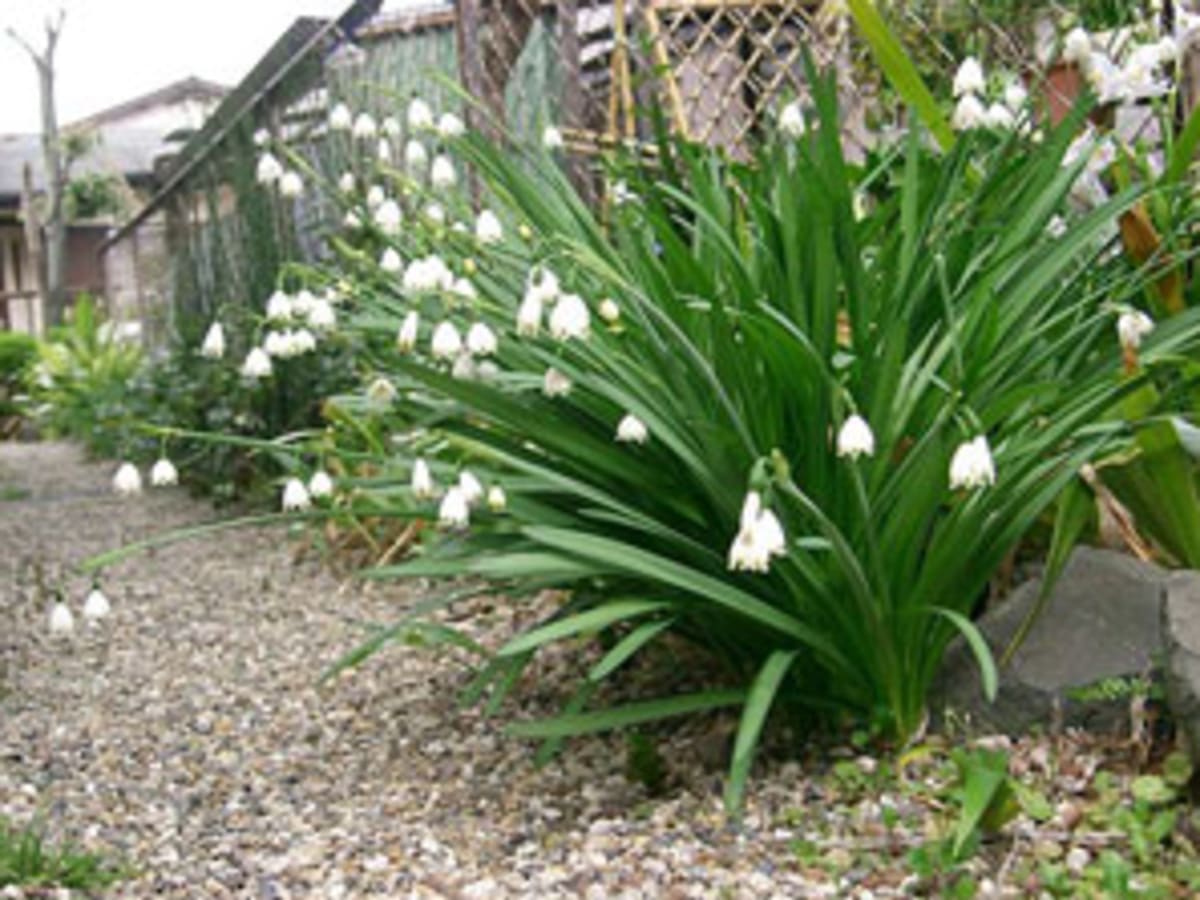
1138	78
96	607
973	112
297	496
127	481
760	537
454	510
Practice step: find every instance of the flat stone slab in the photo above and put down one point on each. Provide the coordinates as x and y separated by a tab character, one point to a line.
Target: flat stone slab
1103	621
1181	636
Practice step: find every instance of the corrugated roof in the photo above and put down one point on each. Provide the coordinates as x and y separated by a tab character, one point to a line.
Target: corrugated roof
126	152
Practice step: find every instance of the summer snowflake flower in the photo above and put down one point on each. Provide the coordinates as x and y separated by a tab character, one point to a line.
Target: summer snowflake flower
346	183
632	430
322	316
442	174
279	307
464	368
390	261
609	311
389	217
383	151
969	78
529	315
497	500
435	213
428	274
488	228
416	158
214	342
257	364
855	438
481	340
390	126
269	169
320	485
262	137
555	383
406	338
463	288
760	537
1132	326
128	480
791	121
365	127
446	341
1056	227
295	496
422	484
302	303
420	116
61	620
972	465
999	117
291	184
96	606
1015	95
375	196
552	138
164	474
570	318
472	490
621	194
454	511
450	126
351	219
1077	48
340	118
969	114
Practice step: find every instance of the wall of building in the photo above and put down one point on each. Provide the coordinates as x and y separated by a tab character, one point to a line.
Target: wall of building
24	313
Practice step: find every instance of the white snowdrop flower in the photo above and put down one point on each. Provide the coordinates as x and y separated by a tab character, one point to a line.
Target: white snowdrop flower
416	158
365	127
389	217
375	196
390	261
791	121
435	213
96	606
383	151
450	126
420	116
472	490
381	391
302	341
481	340
279	307
262	137
969	114
999	117
570	318
163	473
351	220
855	438
340	118
1056	227
609	311
295	496
322	316
464	368
969	78
972	465
552	138
454	512
257	364
346	183
555	383
446	341
62	622
406	339
213	346
277	343
128	480
390	126
760	536
621	194
529	314
1132	326
1077	47
302	303
1015	95
320	485
269	169
422	484
488	228
497	500
441	174
291	184
632	430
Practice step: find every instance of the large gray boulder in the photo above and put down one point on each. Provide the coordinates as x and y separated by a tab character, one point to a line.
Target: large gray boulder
1181	636
1103	621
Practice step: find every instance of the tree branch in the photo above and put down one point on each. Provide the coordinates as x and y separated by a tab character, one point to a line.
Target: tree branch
12	32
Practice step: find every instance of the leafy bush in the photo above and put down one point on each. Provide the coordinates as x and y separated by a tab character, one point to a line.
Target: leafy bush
17	353
27	860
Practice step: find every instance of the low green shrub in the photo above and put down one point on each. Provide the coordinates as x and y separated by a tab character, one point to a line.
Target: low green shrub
17	354
27	860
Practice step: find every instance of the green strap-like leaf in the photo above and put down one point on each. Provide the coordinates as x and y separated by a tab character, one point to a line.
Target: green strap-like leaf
754	716
592	620
627	647
624	716
983	655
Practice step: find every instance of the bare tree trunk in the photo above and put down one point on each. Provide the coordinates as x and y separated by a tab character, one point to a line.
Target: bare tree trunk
34	240
54	296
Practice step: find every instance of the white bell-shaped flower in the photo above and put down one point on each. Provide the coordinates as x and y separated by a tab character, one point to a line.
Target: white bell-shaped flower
969	78
972	465
999	117
269	169
163	473
295	496
279	307
340	118
322	317
422	483
552	138
497	500
969	114
1132	326
454	511
352	220
632	430
381	391
791	121
446	341
62	622
390	126
463	288
406	338
96	606
383	151
390	261
855	438
441	174
389	217
1077	47
127	480
760	537
435	213
609	311
555	383
213	346
320	485
261	137
365	127
375	196
257	364
450	126
291	184
488	228
1015	95
529	315
481	340
471	489
416	158
570	318
420	116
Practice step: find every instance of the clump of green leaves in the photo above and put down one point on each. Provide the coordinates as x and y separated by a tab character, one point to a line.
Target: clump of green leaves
28	860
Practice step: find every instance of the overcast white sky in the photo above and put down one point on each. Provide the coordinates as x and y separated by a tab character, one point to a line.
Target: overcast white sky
114	50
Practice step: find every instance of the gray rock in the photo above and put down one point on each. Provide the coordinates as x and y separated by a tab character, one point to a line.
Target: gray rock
1103	621
1181	638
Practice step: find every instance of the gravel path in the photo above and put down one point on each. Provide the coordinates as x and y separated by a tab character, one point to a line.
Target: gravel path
189	737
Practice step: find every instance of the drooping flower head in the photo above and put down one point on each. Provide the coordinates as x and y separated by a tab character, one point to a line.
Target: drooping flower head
488	228
295	496
320	485
972	465
446	342
969	78
570	318
855	438
791	121
450	126
164	474
340	118
257	364
632	430
406	338
420	116
96	606
760	537
481	340
128	480
213	346
423	487
454	511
